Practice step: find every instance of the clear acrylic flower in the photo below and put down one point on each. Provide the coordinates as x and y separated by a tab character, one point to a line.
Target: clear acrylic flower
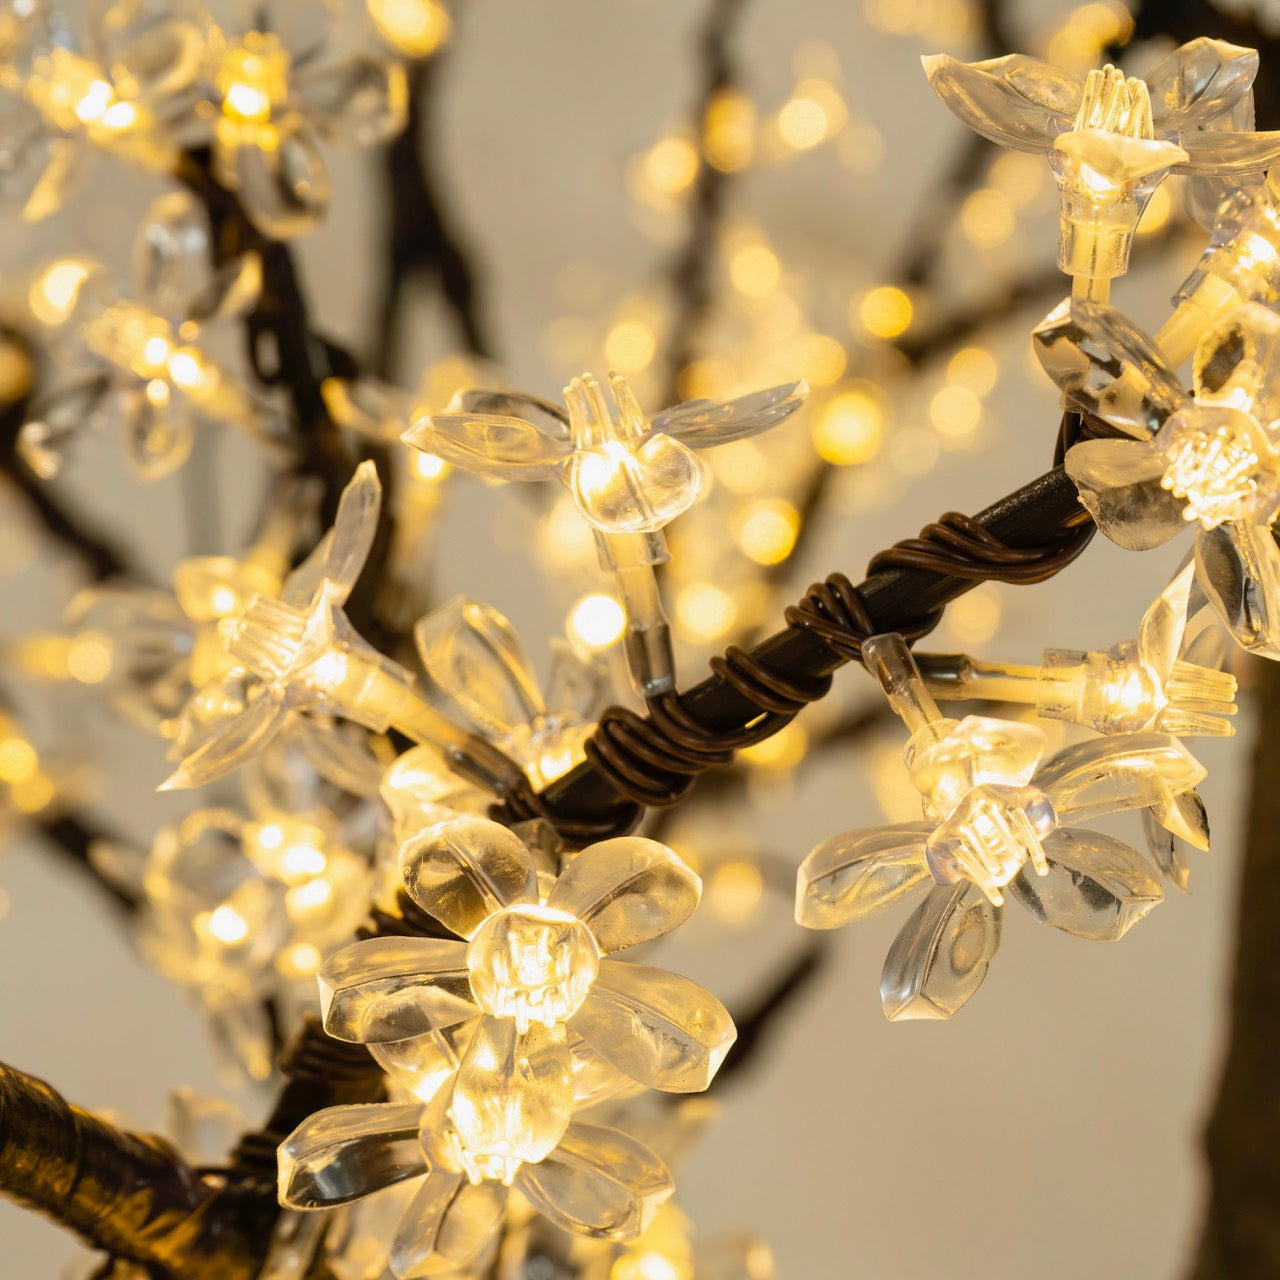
140	361
1090	885
595	1182
627	473
629	477
276	90
240	909
1144	683
298	651
1112	139
120	93
1211	458
535	969
472	656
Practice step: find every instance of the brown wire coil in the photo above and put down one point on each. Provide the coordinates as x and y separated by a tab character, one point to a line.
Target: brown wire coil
653	759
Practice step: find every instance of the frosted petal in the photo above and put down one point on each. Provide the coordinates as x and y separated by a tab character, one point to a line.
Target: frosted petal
340	555
359	101
598	1182
577	683
1124	771
1238	567
345	762
941	955
447	1227
464	870
659	1028
172	254
303	27
854	875
626	891
1097	887
1119	484
343	1153
285	187
1198	82
242	1038
157	437
1185	817
1164	624
514	1093
595	1078
550	418
376	409
1015	101
493	445
203	1127
1237	362
58	418
702	423
1165	852
423	1063
394	988
1107	366
472	653
230	745
1213	152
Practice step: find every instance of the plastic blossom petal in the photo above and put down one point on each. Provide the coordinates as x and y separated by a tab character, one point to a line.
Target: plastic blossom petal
1138	684
1111	139
596	1182
535	967
1213	460
149	370
276	95
629	476
60	103
472	654
994	809
1090	885
300	650
1240	264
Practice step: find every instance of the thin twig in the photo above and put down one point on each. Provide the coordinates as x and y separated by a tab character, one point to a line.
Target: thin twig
692	267
421	240
755	1024
73	836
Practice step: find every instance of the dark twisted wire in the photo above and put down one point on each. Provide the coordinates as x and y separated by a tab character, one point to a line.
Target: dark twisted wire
652	760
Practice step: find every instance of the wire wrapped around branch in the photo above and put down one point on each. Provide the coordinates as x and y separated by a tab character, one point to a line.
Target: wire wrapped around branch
636	761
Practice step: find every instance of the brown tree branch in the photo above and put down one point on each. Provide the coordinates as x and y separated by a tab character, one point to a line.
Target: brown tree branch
1241	1231
128	1194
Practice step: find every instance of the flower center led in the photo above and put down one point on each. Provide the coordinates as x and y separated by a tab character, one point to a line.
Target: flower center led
623	479
1114	103
253	79
533	964
1214	468
990	835
447	1147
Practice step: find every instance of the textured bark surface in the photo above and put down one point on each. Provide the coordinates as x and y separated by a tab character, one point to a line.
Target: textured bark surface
1241	1233
130	1195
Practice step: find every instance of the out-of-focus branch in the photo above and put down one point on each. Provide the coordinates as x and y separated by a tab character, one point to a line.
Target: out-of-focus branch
73	836
127	1194
757	1024
283	348
1241	1234
421	240
692	268
922	255
96	551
